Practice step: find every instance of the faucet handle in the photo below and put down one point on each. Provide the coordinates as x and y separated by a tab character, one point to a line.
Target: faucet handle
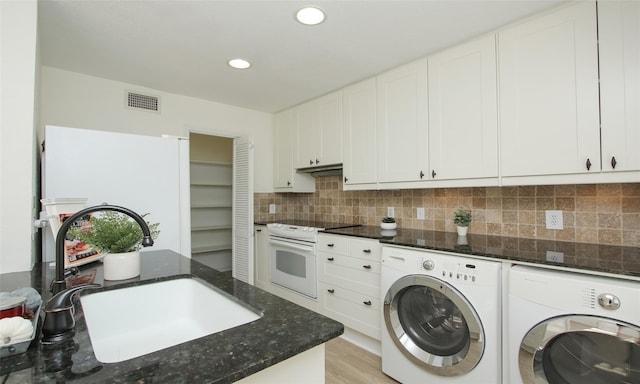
58	315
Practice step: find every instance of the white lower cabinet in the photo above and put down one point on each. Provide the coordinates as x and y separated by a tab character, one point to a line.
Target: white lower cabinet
349	282
262	277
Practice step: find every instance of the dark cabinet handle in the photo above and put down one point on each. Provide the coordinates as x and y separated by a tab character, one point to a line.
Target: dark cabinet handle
288	183
258	230
330	245
368	302
421	175
366	266
330	258
613	162
345	179
366	250
330	290
317	161
588	164
433	174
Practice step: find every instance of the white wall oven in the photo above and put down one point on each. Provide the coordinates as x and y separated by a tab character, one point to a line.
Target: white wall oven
292	258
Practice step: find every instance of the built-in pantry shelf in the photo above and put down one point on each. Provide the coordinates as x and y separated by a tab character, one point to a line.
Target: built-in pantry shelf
211	212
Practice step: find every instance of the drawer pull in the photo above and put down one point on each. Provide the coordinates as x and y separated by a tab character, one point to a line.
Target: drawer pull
331	290
366	250
330	245
368	302
366	266
330	258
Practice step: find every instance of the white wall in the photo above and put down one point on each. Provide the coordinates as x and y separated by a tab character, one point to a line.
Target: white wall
75	100
19	63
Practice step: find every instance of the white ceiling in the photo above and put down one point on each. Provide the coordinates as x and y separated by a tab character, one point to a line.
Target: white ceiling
182	46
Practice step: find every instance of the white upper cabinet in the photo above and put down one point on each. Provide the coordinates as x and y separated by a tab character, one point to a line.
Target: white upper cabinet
359	135
329	150
549	111
285	179
619	35
463	112
306	118
319	131
402	124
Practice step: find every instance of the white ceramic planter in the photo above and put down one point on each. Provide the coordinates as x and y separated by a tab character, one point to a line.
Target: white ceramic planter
388	225
462	231
121	266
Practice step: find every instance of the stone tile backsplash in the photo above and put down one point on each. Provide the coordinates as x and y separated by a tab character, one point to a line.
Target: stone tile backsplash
593	213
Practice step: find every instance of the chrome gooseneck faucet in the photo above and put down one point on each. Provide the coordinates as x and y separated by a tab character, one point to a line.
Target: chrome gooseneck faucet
59	283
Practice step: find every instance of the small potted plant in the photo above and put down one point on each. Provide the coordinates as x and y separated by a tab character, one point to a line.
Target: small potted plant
462	219
119	238
388	223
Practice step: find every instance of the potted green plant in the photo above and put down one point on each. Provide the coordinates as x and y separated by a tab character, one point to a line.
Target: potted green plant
462	219
119	238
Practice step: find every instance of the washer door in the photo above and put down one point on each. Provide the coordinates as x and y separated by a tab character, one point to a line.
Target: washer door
434	325
581	349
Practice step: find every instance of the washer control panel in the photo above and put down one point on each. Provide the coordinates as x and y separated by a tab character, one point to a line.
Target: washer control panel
451	270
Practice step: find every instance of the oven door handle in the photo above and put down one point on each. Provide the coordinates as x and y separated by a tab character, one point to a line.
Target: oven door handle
299	247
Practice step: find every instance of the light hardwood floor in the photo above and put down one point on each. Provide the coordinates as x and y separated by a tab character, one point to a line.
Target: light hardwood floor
346	363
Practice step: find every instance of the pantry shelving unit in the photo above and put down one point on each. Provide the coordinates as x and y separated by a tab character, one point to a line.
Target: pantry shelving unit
211	213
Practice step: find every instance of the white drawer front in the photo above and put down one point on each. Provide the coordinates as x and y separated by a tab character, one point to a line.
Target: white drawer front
354	310
350	273
333	244
366	249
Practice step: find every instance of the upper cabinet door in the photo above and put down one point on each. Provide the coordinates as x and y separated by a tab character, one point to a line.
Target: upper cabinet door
548	79
306	119
619	34
463	111
402	124
359	134
329	135
283	135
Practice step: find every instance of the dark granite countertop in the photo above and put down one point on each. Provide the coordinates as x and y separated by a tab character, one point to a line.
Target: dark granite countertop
284	330
598	258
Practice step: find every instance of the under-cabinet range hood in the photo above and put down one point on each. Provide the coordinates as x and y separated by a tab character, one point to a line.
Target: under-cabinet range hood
322	170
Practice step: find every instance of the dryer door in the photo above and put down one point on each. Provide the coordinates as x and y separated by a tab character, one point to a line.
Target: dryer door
581	349
434	325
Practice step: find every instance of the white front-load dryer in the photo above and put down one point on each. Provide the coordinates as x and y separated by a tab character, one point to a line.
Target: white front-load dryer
441	320
567	327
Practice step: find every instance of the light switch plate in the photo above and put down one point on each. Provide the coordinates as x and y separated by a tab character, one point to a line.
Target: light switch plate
420	213
272	208
391	212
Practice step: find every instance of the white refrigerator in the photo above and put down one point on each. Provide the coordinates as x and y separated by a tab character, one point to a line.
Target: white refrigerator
143	173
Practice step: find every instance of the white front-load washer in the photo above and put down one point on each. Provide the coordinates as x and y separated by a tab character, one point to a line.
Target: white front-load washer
567	327
441	317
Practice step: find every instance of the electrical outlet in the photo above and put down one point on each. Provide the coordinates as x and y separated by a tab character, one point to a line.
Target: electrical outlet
391	212
272	208
555	257
554	219
420	213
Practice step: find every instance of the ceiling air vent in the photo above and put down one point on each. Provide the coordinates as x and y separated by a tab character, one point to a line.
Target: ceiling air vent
140	101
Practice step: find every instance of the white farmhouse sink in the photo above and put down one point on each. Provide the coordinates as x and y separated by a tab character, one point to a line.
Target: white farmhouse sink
131	322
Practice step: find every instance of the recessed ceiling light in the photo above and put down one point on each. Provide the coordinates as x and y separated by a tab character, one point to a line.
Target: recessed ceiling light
239	63
310	15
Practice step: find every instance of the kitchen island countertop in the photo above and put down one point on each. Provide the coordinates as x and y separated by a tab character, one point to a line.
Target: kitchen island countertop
284	331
